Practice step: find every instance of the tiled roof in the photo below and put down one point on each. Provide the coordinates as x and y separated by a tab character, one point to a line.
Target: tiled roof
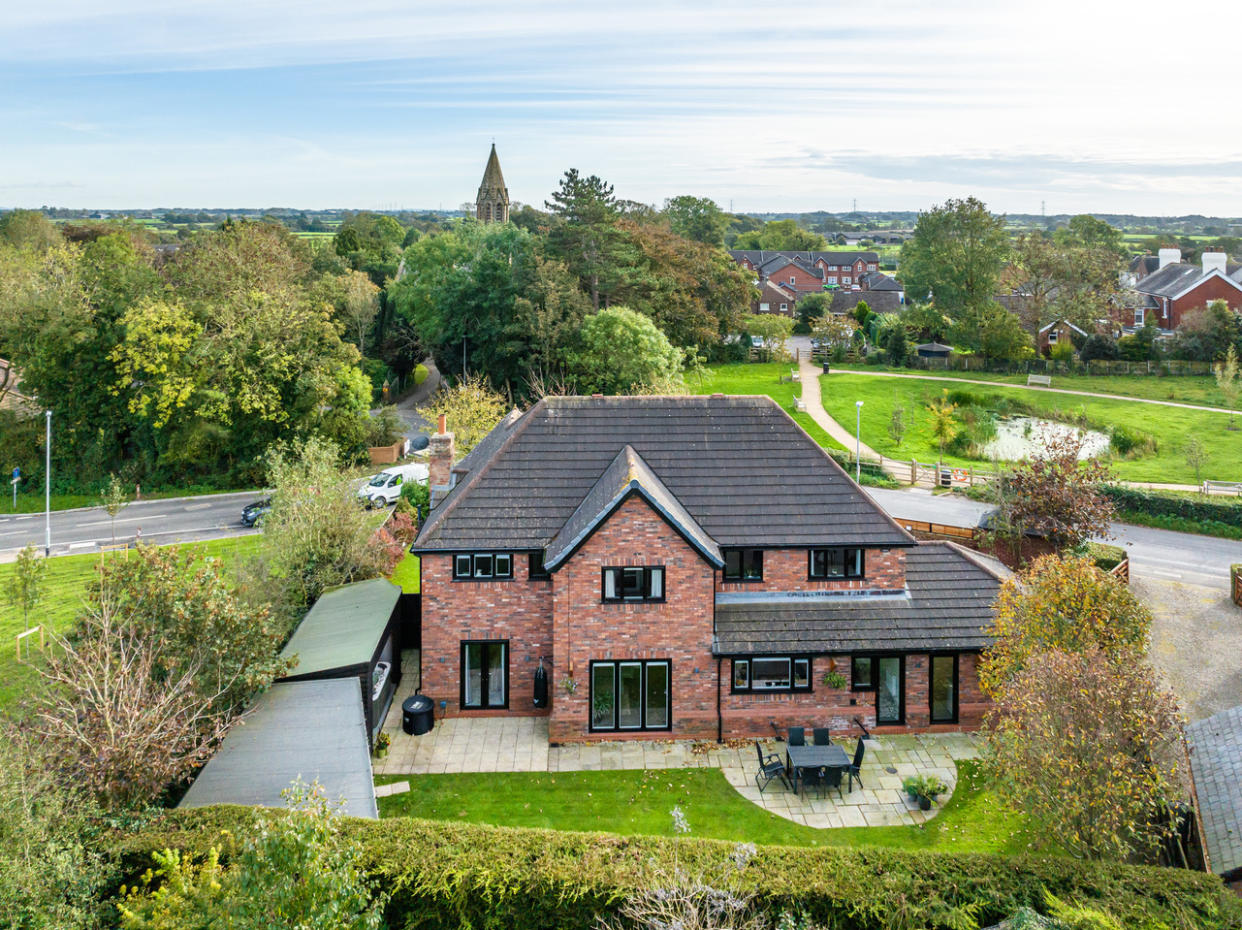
947	606
745	472
1173	280
879	281
758	257
844	301
1216	764
627	474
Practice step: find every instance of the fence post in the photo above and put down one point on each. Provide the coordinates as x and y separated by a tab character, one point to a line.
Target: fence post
914	472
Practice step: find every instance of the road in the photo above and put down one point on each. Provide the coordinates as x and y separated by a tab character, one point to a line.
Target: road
184	519
1156	554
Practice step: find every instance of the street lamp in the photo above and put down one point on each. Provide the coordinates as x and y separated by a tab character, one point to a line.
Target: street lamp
47	491
858	442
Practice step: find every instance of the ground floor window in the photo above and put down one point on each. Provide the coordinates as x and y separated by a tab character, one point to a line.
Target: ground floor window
771	673
886	676
943	689
630	695
485	675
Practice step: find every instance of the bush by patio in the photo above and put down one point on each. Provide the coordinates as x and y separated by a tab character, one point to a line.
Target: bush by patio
443	874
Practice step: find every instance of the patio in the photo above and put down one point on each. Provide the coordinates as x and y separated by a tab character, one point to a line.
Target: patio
520	744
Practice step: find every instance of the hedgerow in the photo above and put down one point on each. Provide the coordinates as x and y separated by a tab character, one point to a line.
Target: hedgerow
1227	511
487	878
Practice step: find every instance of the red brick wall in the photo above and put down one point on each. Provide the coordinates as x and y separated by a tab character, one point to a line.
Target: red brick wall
786	570
519	610
679	629
803	280
1201	296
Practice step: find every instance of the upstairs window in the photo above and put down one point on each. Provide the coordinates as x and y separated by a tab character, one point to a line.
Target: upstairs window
633	584
793	280
535	567
834	564
743	565
483	566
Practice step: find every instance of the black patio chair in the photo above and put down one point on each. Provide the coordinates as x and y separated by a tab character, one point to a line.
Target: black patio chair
821	736
812	778
855	769
770	767
832	779
796	737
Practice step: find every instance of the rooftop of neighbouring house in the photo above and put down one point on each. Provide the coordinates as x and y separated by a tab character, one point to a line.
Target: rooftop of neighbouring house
1175	279
733	470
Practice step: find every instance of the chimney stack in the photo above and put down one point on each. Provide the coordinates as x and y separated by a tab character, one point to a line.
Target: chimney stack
1169	257
440	461
1215	261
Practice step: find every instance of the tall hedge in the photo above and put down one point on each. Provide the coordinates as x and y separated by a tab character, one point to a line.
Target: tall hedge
1227	511
463	875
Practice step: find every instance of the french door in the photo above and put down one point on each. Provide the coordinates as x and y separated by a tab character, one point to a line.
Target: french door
630	695
485	675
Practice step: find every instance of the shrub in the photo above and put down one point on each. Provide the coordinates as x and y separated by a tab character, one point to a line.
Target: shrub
1098	347
1200	509
1131	442
1104	556
449	875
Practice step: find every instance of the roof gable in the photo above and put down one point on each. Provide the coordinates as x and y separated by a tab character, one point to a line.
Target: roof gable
1178	280
624	477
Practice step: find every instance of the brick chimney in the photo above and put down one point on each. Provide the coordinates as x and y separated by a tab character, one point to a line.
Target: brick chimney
440	460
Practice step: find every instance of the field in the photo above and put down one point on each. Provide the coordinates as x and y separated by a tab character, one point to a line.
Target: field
638	802
1171	427
64	591
760	378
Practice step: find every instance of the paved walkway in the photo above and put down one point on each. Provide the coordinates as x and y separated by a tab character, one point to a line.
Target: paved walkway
520	744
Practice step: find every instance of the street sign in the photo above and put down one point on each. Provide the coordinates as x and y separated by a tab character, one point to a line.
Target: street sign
17	476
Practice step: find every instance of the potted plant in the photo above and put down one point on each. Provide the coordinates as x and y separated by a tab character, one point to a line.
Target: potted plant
929	788
833	677
911	785
382	742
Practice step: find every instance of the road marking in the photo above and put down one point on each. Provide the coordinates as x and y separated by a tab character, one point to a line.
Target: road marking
150	516
82	545
1158	571
197	507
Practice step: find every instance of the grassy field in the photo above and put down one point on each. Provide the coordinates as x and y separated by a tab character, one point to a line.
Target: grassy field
638	803
1183	389
761	378
64	591
1171	426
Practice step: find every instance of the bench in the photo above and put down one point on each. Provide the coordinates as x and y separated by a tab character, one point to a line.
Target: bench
1039	380
1222	487
800	405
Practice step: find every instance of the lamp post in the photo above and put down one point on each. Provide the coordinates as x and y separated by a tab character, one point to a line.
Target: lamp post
47	491
858	442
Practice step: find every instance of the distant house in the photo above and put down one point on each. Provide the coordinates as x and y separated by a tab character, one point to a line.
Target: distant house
1168	294
1056	333
775	298
878	301
1142	265
933	350
808	271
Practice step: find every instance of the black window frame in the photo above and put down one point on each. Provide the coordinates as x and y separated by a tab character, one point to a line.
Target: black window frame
474	557
792	659
874	685
870	684
957	666
484	679
646	597
860	561
616	687
535	569
744	556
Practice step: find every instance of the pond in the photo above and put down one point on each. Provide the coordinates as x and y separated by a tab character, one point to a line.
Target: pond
1021	437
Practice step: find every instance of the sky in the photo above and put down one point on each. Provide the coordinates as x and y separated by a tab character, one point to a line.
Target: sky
1093	105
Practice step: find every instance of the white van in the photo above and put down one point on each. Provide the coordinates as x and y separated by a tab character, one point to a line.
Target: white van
382	490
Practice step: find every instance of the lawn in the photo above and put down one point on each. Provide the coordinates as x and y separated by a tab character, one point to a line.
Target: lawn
637	802
64	591
406	575
1171	426
761	378
1183	389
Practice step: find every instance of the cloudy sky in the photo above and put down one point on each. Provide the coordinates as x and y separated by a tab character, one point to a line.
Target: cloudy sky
1086	105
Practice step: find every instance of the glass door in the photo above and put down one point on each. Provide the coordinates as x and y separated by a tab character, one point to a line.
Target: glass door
889	690
944	689
657	695
485	675
630	695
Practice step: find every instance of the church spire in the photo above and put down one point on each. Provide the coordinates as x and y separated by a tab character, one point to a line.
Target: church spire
492	203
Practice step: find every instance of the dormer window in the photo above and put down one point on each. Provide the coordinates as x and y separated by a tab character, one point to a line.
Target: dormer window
835	564
483	566
743	565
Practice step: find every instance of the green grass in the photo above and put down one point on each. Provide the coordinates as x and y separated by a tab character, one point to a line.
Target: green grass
1182	389
1171	426
34	502
64	592
406	574
637	802
762	378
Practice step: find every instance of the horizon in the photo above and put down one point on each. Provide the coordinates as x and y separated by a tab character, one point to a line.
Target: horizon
760	106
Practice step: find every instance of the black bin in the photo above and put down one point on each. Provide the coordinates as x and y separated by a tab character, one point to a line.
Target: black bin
417	715
825	366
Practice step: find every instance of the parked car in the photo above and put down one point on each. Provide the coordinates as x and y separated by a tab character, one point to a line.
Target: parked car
253	514
382	490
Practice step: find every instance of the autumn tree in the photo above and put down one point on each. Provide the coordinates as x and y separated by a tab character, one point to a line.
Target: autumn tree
1056	493
1061	604
472	409
1087	745
1197	456
955	255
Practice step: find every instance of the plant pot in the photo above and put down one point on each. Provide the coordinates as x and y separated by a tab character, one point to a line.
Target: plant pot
924	803
381	753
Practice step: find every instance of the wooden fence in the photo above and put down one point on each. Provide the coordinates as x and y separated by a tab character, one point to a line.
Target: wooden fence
1121	571
939	529
1235	583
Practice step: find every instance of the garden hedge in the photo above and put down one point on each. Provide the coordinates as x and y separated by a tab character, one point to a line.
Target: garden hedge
465	875
1227	511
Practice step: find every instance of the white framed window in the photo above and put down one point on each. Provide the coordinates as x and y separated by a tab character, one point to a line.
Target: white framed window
1139	317
832	279
765	307
1052	337
784	308
793	280
845	279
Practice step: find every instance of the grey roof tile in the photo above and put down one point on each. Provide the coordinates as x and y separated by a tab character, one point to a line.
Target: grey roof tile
1216	764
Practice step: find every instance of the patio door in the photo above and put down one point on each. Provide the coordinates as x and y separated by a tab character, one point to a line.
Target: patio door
631	695
890	691
485	675
943	689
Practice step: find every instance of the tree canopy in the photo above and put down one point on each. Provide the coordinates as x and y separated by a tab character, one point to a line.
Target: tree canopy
955	255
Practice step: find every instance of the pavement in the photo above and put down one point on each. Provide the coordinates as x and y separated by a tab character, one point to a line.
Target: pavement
170	520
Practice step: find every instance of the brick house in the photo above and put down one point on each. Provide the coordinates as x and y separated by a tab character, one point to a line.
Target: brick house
775	298
1058	332
808	271
1166	295
687	566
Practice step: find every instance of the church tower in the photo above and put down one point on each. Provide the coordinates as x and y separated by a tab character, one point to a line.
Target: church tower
492	204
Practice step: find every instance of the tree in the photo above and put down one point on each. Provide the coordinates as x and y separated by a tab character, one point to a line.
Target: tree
621	351
1000	334
1056	494
1196	456
895	345
1098	346
834	330
1060	604
585	235
114	500
781	236
944	425
292	870
1227	380
358	306
25	587
697	218
771	328
1087	745
1205	333
813	306
955	255
29	229
897	424
471	408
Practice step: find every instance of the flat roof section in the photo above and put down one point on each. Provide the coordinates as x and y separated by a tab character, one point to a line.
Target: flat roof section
313	730
343	628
